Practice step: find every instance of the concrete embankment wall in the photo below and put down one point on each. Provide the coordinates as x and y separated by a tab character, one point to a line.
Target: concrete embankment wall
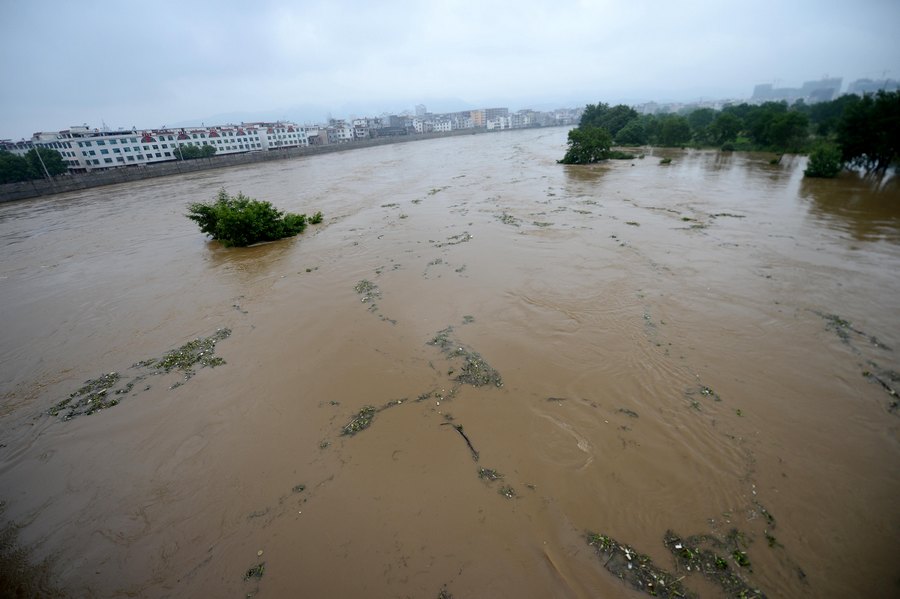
64	183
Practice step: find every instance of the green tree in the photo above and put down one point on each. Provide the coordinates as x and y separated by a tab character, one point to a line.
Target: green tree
869	132
825	116
13	168
241	221
824	161
700	121
587	145
612	119
787	131
632	134
53	160
191	152
674	131
725	128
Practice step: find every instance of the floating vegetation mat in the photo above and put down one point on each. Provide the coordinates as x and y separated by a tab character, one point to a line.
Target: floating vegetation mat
456	239
256	571
509	219
636	568
475	370
717	560
848	334
107	390
368	290
888	380
360	422
843	329
720	561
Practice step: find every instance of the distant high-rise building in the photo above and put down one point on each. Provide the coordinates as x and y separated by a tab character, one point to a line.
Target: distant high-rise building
421	110
870	86
811	91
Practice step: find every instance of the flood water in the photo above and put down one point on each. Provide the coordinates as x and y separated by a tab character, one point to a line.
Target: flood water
682	347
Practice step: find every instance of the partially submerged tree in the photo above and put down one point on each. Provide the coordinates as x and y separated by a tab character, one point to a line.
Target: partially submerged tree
869	132
242	221
824	161
587	145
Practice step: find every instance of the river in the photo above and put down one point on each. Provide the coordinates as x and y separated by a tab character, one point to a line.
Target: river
702	347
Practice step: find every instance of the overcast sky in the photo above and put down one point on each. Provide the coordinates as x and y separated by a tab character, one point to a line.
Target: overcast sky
145	64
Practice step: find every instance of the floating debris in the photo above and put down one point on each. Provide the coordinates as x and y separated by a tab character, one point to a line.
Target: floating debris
489	474
361	421
198	351
459	429
633	223
842	328
467	319
444	594
879	377
627	412
456	239
368	290
707	392
706	554
542	224
475	370
298	488
256	571
507	492
102	392
509	219
636	568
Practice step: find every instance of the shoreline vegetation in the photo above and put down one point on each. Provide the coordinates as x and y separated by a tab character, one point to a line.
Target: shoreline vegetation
851	132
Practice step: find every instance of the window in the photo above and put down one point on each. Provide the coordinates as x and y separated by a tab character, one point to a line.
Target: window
112	142
96	161
107	160
136	148
131	159
168	154
140	156
104	151
120	159
146	147
165	146
117	150
157	155
127	150
155	147
92	153
101	142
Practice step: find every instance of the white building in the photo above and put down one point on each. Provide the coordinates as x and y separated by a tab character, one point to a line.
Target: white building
442	125
340	132
85	149
499	122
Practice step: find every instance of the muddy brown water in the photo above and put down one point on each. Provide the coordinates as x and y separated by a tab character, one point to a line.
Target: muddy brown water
608	297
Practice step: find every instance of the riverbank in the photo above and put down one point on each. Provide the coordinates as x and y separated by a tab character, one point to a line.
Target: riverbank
43	187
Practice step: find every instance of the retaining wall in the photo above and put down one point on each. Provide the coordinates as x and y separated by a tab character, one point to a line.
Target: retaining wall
64	183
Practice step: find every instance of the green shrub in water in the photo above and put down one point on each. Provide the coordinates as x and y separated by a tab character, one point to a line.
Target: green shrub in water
242	221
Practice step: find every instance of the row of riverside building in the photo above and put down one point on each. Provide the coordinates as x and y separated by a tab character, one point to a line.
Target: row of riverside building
84	149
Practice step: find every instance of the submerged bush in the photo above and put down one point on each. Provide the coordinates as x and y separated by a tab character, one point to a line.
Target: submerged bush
241	221
824	161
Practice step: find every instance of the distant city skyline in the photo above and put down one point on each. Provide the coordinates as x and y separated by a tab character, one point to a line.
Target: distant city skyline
150	64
